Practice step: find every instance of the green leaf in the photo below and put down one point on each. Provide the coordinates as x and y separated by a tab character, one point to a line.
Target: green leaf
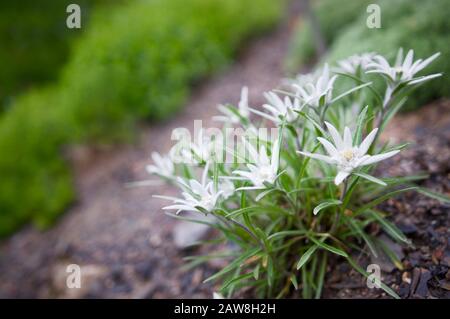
234	264
256	272
321	276
364	236
360	125
371	178
264	193
314	122
306	256
438	196
330	248
286	233
293	279
236	279
325	204
356	88
390	228
382	198
375	93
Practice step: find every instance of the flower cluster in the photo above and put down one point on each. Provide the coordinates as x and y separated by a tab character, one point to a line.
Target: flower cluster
311	190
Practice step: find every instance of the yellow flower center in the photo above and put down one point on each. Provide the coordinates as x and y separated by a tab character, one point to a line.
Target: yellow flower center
348	154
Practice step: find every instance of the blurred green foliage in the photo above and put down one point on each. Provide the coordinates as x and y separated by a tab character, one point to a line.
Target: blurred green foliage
35	42
136	60
422	25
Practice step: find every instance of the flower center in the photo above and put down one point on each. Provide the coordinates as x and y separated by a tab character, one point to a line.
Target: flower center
207	202
265	174
348	154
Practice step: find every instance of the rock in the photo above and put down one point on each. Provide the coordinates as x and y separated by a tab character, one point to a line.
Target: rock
385	263
422	286
186	234
145	269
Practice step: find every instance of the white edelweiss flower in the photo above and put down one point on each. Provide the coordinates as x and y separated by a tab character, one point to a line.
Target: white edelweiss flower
346	156
403	71
351	64
202	149
243	110
302	79
313	92
280	109
163	165
196	197
263	169
217	295
227	188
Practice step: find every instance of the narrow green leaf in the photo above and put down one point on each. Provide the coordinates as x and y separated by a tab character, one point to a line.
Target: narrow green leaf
364	236
371	178
382	198
360	125
306	256
321	276
390	228
330	248
234	264
438	196
356	88
325	204
294	281
236	279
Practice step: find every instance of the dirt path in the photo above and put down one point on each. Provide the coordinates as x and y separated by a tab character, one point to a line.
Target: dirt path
119	236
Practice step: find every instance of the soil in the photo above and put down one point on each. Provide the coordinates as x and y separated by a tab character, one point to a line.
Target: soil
124	243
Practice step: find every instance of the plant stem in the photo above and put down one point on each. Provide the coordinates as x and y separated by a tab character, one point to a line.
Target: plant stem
337	215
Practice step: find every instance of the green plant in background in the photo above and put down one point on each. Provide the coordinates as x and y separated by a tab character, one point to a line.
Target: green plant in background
35	42
136	60
422	25
289	202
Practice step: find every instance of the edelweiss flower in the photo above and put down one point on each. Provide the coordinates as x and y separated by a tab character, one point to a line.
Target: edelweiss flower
280	109
202	149
243	110
355	62
403	71
264	169
227	188
163	165
345	155
196	197
313	92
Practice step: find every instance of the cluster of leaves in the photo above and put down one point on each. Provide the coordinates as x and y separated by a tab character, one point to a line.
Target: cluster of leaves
420	25
135	60
283	213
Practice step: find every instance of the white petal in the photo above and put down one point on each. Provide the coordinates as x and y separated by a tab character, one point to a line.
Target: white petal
331	150
364	146
335	135
376	158
340	177
348	140
320	157
424	78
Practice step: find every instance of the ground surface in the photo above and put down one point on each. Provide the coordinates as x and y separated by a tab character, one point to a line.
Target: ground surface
125	244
